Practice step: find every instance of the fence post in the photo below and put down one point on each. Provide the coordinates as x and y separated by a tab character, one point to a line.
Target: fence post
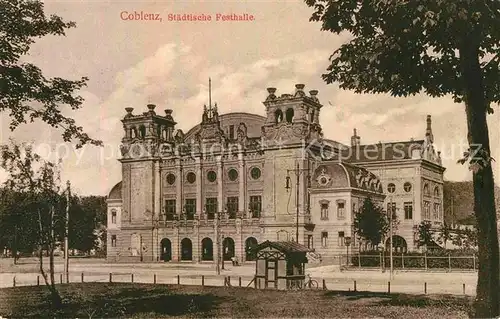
425	287
449	262
239	281
132	278
359	260
388	287
203	280
425	260
154	279
380	260
355	289
229	281
14	281
60	278
110	277
38	280
178	279
403	260
82	276
463	288
324	284
474	261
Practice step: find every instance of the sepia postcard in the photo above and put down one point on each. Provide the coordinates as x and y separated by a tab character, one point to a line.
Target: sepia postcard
232	158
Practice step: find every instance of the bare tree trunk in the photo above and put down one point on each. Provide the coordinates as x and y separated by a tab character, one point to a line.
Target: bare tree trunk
487	291
49	281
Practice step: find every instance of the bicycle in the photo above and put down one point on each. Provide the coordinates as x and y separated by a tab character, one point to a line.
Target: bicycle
311	283
300	284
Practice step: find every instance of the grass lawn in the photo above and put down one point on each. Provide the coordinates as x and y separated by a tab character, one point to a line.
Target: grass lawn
107	300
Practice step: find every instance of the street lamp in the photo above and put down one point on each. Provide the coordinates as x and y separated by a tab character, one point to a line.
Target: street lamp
298	171
220	247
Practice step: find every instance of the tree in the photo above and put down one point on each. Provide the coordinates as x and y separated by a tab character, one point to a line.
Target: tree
370	223
444	234
38	182
470	238
436	47
424	234
458	238
24	90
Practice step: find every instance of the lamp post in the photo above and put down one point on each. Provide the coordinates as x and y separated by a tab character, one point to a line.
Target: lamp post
298	171
390	211
220	245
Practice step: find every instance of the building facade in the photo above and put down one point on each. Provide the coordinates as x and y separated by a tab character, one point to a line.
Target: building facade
237	179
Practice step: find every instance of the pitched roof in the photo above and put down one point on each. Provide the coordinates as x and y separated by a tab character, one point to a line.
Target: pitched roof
284	246
382	151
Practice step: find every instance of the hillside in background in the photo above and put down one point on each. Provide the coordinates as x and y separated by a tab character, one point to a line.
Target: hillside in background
459	202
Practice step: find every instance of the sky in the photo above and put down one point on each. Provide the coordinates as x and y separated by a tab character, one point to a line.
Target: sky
168	63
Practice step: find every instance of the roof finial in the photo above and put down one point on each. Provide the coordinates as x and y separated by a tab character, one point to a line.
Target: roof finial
209	93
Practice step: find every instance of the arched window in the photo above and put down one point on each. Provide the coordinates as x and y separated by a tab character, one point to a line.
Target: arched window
278	115
436	191
133	132
311	119
142	131
426	190
289	115
113	216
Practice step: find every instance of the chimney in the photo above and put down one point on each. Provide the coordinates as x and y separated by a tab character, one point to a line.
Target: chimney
355	139
428	131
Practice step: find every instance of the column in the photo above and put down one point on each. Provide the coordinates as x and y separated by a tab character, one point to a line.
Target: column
199	197
220	195
178	190
157	190
242	194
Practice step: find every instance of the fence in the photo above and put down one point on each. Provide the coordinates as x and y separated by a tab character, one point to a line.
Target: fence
402	261
381	285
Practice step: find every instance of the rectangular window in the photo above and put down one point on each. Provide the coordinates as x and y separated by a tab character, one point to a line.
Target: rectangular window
324	239
427	210
190	208
408	210
436	211
324	211
113	240
255	206
113	217
231	132
170	209
341	239
310	243
232	207
341	210
211	207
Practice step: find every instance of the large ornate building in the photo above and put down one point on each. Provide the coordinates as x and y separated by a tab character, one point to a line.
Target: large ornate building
237	179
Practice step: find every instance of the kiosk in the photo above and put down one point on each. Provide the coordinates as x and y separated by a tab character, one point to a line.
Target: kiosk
280	265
